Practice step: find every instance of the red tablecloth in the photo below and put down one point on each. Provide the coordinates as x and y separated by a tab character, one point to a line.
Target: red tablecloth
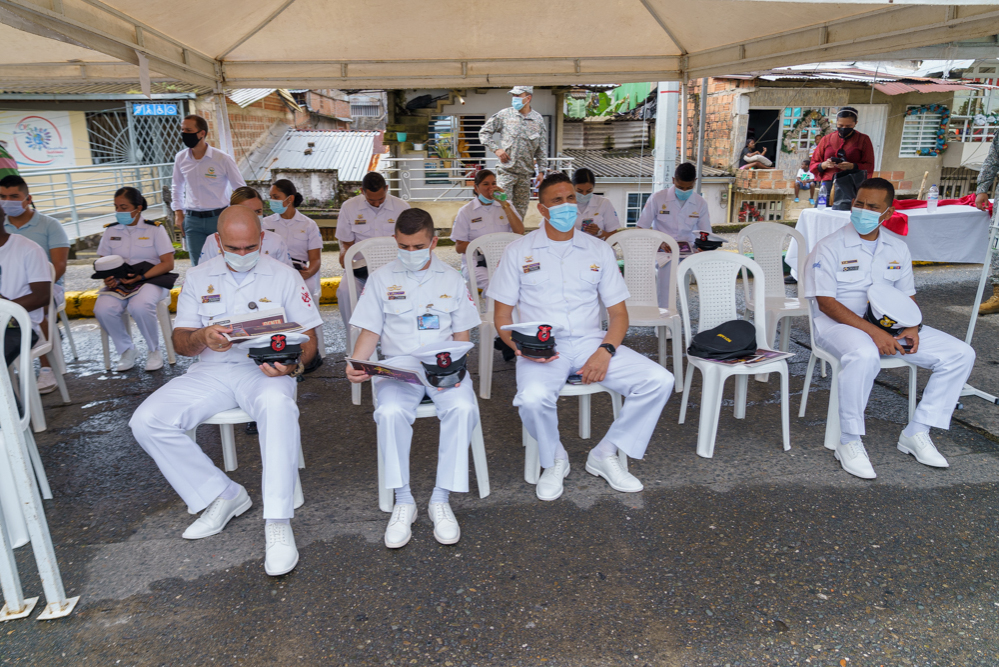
899	222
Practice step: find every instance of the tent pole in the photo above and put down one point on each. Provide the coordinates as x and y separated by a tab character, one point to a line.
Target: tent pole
664	155
222	121
703	104
683	117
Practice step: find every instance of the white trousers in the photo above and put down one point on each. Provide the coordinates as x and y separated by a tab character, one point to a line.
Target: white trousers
161	422
141	307
481	276
948	358
343	297
644	384
459	414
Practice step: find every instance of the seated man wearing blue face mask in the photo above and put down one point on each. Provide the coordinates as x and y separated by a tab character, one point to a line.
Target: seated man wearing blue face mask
838	273
412	304
679	212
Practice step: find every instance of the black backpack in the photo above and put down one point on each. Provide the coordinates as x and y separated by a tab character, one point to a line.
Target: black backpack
729	340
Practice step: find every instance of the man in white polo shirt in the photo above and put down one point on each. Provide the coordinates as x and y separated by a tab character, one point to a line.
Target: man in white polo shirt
203	178
24	279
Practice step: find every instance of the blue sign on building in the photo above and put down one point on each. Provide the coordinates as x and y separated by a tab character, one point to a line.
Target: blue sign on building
154	109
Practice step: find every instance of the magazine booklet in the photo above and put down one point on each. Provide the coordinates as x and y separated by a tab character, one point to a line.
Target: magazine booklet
252	325
761	357
381	369
121	291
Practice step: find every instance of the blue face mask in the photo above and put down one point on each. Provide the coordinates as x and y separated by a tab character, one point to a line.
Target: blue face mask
124	218
414	260
277	205
518	103
682	195
583	200
485	201
563	217
864	221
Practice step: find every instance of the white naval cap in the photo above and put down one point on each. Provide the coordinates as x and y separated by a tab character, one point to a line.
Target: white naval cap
290	338
443	355
106	266
891	310
520	90
534	339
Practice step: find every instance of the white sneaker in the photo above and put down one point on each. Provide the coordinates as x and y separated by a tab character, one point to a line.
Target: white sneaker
127	360
446	529
398	532
923	449
155	361
550	485
217	515
611	470
46	381
853	457
282	554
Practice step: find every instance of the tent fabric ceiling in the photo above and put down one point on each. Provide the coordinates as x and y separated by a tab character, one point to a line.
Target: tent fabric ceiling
451	43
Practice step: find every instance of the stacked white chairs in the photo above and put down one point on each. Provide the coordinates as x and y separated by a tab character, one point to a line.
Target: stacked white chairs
377	252
716	273
767	242
491	246
833	430
22	517
640	248
166	328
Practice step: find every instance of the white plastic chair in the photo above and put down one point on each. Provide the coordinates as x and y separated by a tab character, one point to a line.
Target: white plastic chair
386	496
833	430
532	462
491	246
716	273
377	252
61	310
640	248
767	241
166	328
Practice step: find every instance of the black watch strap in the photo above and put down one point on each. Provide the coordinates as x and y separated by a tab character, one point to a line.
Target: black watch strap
610	348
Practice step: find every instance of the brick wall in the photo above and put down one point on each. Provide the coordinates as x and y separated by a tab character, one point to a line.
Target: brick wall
720	119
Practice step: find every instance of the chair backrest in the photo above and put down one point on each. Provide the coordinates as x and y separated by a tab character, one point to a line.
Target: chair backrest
640	248
377	252
491	246
716	273
25	367
767	242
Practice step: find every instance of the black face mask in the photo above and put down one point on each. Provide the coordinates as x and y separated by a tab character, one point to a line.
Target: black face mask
190	139
844	132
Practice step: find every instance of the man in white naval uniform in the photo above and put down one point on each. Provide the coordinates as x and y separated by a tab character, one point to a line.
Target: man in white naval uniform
838	273
560	275
413	303
679	212
238	283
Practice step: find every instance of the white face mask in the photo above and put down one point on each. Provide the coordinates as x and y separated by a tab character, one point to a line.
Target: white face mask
414	260
242	263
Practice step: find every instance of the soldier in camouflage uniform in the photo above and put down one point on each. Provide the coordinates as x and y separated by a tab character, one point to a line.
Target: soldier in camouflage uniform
523	142
986	177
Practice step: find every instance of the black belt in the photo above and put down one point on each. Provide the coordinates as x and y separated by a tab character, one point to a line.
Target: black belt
214	213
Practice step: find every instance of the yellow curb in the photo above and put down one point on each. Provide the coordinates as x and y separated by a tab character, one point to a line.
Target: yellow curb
81	304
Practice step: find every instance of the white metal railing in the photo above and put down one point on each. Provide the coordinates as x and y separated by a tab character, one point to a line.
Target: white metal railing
82	198
433	179
969	130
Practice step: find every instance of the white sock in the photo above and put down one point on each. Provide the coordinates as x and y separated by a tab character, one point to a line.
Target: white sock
404	496
287	521
440	495
845	438
230	492
560	453
604	450
915	427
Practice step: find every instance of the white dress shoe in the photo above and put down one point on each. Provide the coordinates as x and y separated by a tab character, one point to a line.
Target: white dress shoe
446	530
398	532
282	555
155	361
922	448
550	485
127	360
853	457
217	515
46	381
611	470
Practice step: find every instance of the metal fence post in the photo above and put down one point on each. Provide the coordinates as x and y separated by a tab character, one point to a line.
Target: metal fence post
72	202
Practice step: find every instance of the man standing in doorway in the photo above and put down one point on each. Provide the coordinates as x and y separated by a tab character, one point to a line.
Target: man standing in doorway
203	178
523	143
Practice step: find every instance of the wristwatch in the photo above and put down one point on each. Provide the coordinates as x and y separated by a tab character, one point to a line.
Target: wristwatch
610	348
298	370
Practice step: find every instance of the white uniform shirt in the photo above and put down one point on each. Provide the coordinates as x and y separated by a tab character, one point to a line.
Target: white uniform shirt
476	219
301	234
210	294
141	242
359	221
665	213
562	291
22	262
394	299
205	184
841	266
272	245
599	211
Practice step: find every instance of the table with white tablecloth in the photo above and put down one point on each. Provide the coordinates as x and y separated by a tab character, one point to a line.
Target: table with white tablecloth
958	234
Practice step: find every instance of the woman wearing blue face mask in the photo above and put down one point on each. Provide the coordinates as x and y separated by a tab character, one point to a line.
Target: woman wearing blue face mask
596	215
488	213
135	241
300	233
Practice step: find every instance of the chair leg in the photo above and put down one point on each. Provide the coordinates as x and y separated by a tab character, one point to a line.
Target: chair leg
301	455
686	391
785	407
912	390
785	334
479	459
299	495
36	462
60	380
163	315
616	402
386	497
833	431
823	368
741	391
228	447
35	401
663	347
107	351
486	359
532	461
772	321
678	380
584	417
808	381
713	384
55	356
69	333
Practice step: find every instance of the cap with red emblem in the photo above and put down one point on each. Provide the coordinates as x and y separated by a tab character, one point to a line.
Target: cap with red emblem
283	348
445	364
534	339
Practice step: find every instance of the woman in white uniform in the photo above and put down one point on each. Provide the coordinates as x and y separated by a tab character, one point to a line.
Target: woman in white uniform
136	241
301	234
272	245
595	213
483	215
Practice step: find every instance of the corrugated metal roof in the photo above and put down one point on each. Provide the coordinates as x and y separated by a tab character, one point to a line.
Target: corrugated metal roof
349	153
244	97
623	164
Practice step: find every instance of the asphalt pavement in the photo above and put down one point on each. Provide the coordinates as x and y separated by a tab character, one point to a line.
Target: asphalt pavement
755	557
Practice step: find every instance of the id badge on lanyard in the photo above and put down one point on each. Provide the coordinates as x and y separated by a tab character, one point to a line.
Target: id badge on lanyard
428	322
